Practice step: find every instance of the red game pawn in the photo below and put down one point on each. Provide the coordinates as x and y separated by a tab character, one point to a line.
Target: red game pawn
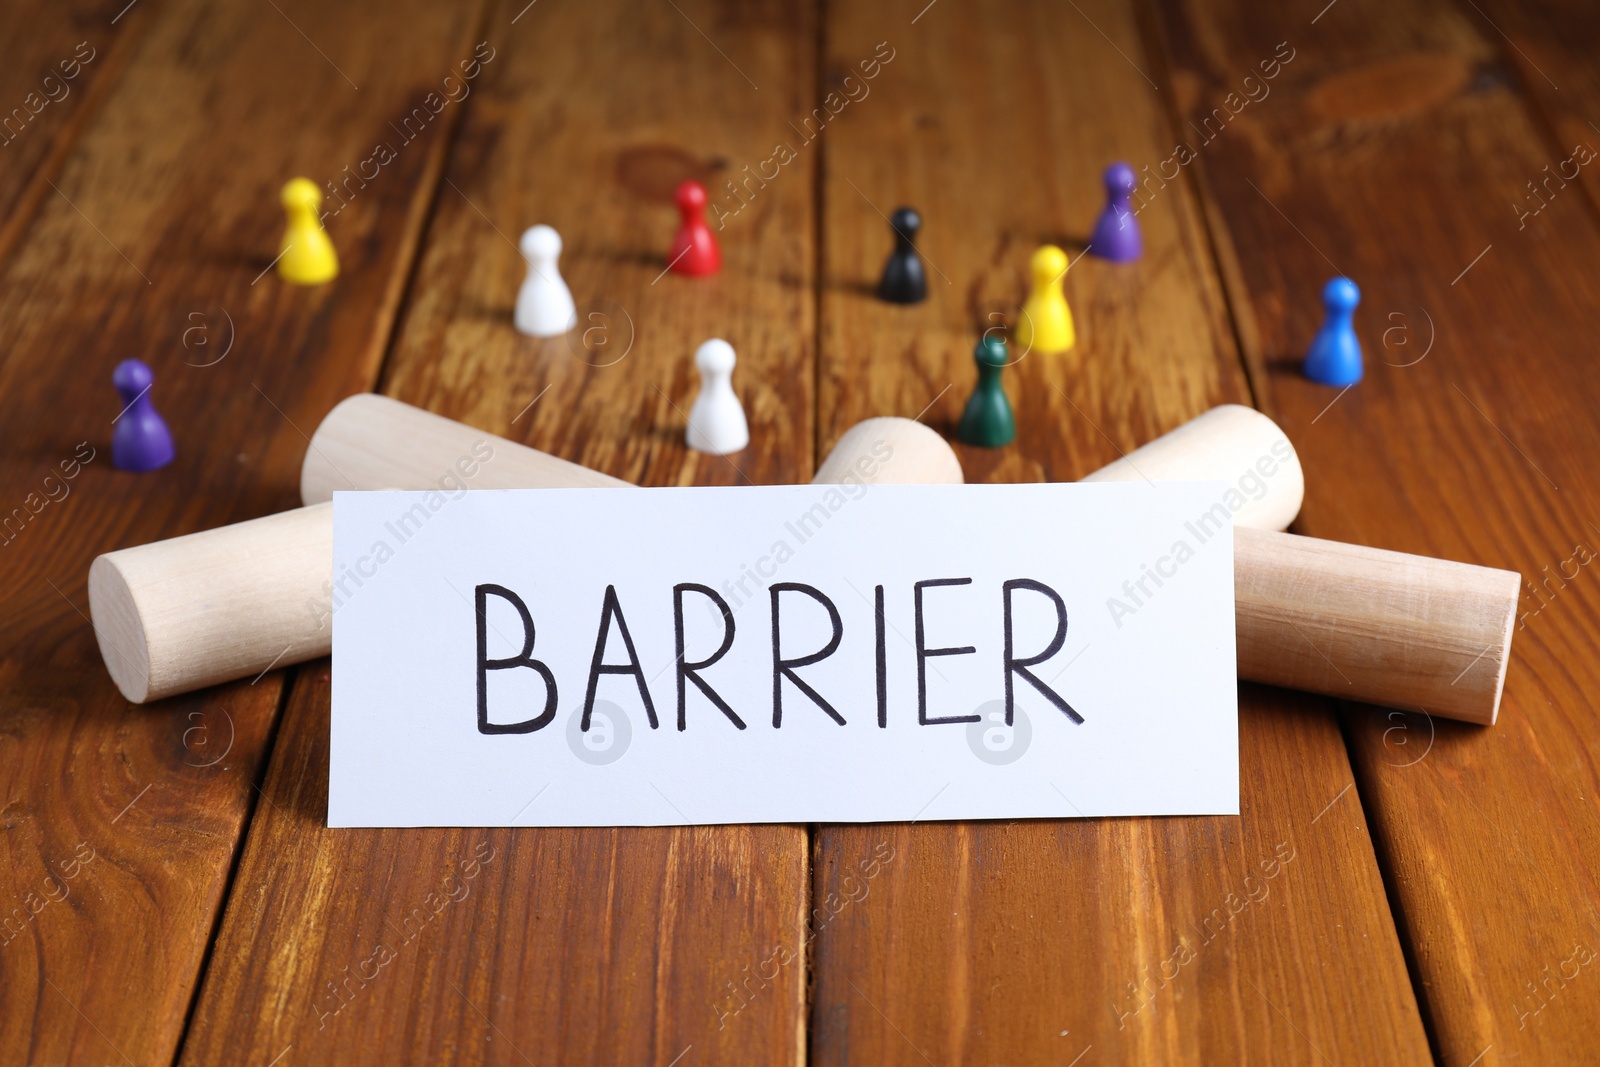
694	249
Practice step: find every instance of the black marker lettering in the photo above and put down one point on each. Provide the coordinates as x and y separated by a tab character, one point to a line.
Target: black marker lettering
923	653
883	680
613	609
782	668
1020	666
522	659
687	670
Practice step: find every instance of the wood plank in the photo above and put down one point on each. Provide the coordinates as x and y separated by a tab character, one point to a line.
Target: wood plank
1551	46
571	946
61	58
121	823
1093	941
1392	146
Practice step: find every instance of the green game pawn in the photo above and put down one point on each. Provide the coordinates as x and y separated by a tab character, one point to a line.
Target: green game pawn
987	420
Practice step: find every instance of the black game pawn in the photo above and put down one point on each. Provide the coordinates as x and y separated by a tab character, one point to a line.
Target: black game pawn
904	281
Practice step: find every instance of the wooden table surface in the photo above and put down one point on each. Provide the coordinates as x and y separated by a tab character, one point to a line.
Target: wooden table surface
170	891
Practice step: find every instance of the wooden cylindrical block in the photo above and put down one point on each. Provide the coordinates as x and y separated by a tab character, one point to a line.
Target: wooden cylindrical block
210	607
890	451
178	615
1358	623
375	442
1365	624
1233	443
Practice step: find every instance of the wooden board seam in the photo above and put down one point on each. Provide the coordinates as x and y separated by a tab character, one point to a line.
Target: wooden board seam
198	984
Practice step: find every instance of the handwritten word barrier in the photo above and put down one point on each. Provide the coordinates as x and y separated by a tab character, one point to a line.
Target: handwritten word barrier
574	657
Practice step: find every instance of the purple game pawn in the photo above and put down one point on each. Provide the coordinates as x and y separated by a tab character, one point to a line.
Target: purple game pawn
1116	234
140	441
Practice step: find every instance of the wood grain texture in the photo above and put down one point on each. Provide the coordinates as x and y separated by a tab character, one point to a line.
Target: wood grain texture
501	946
1257	939
590	129
1390	150
1551	47
60	60
574	946
1397	144
169	205
1123	940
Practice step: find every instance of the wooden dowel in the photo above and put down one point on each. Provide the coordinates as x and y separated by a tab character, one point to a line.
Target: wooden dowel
210	607
1358	623
1365	624
375	442
178	615
1234	443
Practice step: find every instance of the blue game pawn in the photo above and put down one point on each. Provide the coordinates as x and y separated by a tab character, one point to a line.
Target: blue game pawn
140	441
1116	234
1335	354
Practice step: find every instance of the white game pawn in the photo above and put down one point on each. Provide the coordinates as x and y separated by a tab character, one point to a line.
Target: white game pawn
716	422
544	303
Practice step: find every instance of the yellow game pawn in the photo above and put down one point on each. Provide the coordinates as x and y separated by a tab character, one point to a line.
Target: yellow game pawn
1046	324
307	255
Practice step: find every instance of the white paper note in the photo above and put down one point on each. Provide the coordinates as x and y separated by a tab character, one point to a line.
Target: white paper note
1097	618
